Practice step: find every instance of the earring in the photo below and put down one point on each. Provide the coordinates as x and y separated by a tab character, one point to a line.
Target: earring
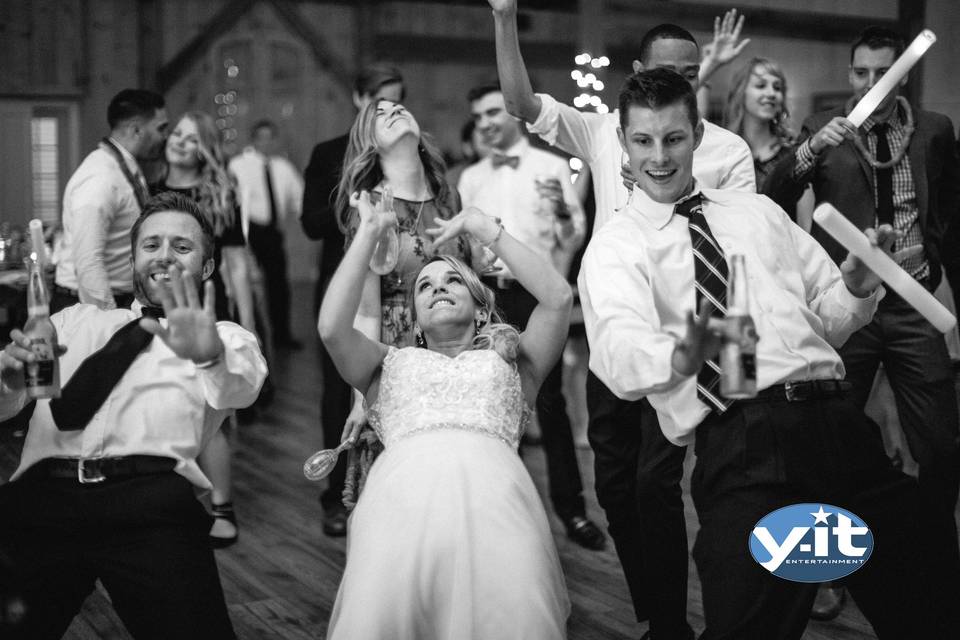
418	336
476	325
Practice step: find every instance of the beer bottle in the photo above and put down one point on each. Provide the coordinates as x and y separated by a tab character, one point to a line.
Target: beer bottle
738	353
42	376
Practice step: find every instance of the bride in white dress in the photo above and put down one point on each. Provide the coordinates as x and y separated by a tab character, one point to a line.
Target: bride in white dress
449	539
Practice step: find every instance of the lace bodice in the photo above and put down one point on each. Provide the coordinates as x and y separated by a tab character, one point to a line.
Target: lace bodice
421	390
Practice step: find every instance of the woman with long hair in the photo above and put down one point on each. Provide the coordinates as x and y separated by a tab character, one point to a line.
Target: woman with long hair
448	509
389	152
196	167
756	110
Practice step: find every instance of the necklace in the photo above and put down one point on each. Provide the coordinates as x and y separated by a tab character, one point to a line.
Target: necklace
908	130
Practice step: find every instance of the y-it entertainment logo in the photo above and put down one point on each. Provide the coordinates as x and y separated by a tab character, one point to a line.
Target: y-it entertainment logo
811	542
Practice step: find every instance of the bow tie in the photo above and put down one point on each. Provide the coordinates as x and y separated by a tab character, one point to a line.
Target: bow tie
499	160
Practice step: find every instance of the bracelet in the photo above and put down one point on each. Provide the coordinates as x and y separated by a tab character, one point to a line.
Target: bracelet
487	245
207	364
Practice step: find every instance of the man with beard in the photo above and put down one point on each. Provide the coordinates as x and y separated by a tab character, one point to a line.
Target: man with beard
102	200
107	479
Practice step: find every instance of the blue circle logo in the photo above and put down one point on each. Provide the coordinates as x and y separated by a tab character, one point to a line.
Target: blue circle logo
811	542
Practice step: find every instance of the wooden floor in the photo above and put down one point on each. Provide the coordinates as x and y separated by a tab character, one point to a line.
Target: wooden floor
281	578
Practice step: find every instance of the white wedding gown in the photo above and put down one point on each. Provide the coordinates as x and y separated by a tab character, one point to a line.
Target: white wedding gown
449	539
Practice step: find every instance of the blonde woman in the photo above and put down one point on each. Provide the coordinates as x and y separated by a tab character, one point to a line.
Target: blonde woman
196	167
449	510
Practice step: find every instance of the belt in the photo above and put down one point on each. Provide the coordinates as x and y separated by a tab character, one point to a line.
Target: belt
801	391
91	470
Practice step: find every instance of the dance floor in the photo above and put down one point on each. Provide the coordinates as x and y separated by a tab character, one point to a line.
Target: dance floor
281	578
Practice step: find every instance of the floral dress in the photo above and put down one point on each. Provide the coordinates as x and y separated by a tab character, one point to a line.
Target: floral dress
416	249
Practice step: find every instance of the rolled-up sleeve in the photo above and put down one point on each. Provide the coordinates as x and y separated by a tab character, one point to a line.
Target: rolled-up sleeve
235	381
570	129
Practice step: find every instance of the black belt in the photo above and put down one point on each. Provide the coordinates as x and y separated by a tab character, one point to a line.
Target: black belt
801	391
90	470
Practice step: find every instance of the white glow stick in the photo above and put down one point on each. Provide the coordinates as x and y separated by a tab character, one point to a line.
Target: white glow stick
892	77
856	242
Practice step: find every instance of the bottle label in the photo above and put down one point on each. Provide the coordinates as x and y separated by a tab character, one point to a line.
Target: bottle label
41	373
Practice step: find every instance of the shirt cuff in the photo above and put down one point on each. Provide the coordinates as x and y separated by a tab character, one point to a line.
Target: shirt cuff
806	158
546	124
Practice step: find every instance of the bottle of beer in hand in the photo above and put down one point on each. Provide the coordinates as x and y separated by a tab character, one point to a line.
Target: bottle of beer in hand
738	354
42	376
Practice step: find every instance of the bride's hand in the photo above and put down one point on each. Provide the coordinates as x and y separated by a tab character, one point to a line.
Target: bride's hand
354	424
471	220
377	216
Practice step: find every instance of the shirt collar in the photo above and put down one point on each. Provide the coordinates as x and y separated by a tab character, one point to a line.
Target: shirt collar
518	148
894	121
657	213
127	156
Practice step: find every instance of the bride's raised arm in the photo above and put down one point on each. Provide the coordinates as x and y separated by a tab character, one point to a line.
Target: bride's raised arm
542	343
357	357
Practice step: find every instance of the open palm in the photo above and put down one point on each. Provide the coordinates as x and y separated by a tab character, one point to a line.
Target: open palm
191	330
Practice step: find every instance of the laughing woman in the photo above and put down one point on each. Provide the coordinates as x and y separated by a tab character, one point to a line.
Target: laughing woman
449	539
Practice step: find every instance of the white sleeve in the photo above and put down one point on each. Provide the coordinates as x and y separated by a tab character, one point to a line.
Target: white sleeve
235	381
570	129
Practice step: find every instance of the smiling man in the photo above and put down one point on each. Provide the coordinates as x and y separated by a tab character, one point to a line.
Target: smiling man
106	484
644	275
530	190
900	168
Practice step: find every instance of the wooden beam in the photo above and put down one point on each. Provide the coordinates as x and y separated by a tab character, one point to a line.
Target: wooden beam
219	24
149	42
476	51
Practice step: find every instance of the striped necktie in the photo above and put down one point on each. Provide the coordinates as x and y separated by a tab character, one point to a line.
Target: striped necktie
710	281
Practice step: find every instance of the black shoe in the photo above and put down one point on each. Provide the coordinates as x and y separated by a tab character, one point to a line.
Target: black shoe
828	603
585	533
335	522
225	513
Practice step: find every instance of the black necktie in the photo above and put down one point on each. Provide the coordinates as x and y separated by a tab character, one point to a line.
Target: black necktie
710	281
272	207
95	378
884	177
498	160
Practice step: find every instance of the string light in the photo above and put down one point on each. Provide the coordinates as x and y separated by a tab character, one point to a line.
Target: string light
586	75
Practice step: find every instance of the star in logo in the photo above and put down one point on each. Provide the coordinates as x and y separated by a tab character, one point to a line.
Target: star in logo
820	517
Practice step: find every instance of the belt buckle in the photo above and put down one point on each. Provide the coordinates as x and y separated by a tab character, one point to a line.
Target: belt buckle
89	476
795	391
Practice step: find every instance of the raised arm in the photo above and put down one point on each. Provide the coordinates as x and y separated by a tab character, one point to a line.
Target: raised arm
357	357
542	342
518	93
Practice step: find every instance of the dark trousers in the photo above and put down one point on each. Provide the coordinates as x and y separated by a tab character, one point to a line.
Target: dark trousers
266	242
563	473
144	537
638	473
759	457
335	406
915	358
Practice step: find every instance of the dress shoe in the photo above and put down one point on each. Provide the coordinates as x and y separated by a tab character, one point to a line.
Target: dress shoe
335	522
224	531
829	602
585	533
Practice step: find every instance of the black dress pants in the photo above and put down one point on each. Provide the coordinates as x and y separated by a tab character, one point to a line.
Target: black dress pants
761	456
563	472
638	473
266	242
144	537
915	358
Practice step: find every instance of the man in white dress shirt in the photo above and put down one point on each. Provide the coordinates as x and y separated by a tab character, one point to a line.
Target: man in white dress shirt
102	200
271	191
107	478
638	471
530	191
801	439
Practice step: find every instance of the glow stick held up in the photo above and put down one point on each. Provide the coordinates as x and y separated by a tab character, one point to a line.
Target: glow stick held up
892	77
856	242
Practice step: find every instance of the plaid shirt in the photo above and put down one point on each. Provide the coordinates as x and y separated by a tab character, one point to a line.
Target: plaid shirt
906	216
905	213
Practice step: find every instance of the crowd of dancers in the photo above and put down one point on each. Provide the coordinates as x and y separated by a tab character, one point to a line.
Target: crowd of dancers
171	296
